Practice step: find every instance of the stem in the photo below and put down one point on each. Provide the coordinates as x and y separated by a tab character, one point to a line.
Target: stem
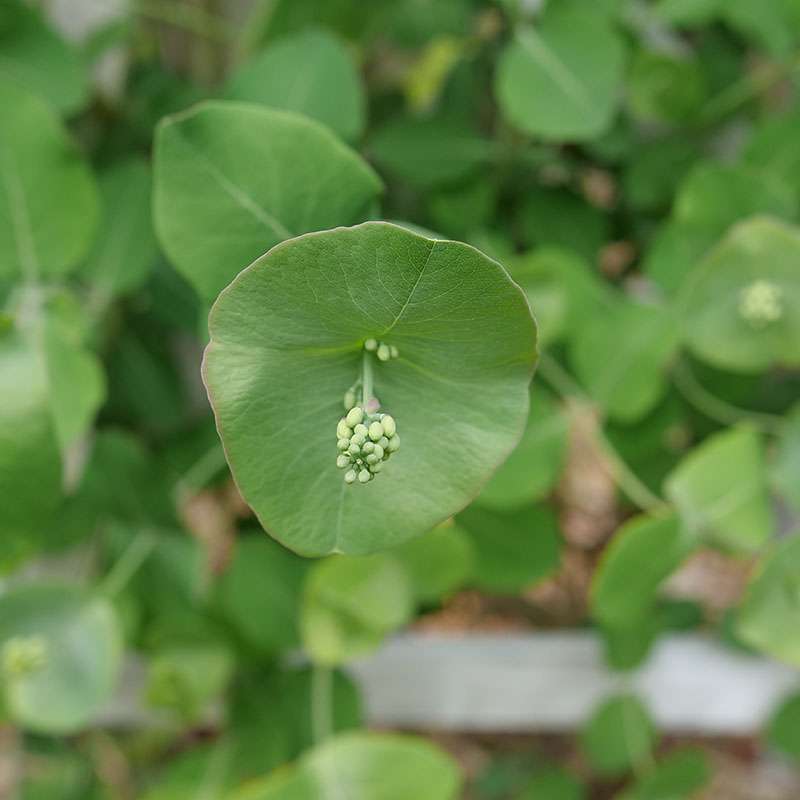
715	407
321	703
627	480
128	564
366	378
201	472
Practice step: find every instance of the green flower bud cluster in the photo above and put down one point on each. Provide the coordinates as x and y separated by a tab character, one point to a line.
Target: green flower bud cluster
23	655
383	351
365	440
761	303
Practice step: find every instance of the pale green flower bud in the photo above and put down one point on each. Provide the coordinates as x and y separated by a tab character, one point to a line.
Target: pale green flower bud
394	444
384	353
376	468
354	416
376	431
349	399
371	345
378	451
383	442
395	353
342	461
358	438
343	430
350	476
364	476
343	444
368	447
354	449
361	428
389	425
372	459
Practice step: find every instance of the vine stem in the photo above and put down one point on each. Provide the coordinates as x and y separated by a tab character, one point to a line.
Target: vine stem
715	407
366	378
321	703
627	480
128	564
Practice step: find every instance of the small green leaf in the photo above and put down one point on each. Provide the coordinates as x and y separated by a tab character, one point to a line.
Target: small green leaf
36	58
643	552
554	784
513	550
720	491
48	199
283	353
254	174
438	563
311	73
621	357
378	766
665	88
741	308
532	470
80	661
561	79
351	603
619	736
767	619
678	776
125	249
783	732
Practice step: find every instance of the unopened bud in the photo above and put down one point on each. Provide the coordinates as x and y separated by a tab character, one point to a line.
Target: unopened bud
354	416
389	425
364	476
350	476
376	431
394	444
342	461
343	444
343	430
371	345
384	353
378	451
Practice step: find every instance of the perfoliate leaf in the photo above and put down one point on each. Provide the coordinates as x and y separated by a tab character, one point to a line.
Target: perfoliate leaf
234	179
287	341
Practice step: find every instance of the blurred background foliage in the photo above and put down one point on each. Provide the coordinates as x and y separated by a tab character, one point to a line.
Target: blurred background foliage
634	165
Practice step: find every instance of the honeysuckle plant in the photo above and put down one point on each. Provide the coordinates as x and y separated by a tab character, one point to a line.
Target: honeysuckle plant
272	298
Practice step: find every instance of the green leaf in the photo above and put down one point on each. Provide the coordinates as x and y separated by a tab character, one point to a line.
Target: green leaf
773	150
30	465
561	79
532	470
688	12
48	199
287	341
741	309
783	732
678	776
554	784
351	603
437	563
377	766
654	171
786	465
643	552
79	646
311	73
429	152
720	491
36	58
619	736
513	550
259	593
233	179
665	88
125	249
621	357
675	251
767	618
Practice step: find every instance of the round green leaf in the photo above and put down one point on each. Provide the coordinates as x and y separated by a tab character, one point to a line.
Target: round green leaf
259	593
39	60
233	179
784	727
287	341
48	199
741	309
311	73
641	555
554	784
619	735
79	645
768	616
125	249
534	467
561	79
437	563
678	776
364	766
513	550
720	490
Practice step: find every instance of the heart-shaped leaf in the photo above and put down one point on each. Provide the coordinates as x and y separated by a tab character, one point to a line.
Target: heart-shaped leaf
232	180
287	341
61	652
